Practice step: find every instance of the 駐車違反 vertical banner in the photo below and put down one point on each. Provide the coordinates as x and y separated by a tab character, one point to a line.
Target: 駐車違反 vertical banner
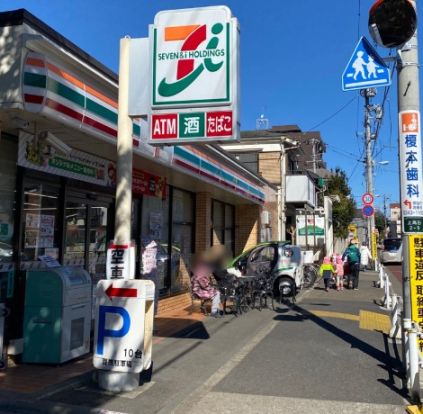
194	57
411	171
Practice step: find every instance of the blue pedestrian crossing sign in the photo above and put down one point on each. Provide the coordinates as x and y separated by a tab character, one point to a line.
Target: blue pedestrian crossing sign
365	69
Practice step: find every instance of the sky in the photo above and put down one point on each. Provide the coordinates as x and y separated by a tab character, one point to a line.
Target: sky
293	54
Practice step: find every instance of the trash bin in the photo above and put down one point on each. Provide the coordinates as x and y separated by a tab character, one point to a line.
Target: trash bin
57	315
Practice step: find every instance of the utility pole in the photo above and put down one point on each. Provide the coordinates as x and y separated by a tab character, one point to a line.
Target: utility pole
411	192
394	24
408	100
313	143
368	93
385	198
282	192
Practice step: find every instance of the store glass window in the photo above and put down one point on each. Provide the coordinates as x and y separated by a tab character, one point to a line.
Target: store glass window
75	228
8	154
155	232
218	219
40	223
181	248
97	242
223	225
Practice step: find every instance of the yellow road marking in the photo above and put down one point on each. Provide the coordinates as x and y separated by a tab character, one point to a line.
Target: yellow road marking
371	321
338	315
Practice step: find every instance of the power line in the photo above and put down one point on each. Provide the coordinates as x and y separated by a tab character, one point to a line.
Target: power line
333	115
358	20
343	152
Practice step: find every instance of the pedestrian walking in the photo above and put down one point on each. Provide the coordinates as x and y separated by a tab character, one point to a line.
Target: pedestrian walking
352	256
366	256
327	271
339	273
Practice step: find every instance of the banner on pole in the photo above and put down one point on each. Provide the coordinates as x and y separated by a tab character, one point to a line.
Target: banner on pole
416	281
410	150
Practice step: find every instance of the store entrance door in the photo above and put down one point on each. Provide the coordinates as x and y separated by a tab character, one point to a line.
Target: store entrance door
87	231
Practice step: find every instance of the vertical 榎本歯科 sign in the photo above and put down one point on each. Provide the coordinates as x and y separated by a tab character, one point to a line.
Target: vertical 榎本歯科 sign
411	171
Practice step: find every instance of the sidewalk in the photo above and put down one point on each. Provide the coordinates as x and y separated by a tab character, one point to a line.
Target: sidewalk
334	357
34	379
328	354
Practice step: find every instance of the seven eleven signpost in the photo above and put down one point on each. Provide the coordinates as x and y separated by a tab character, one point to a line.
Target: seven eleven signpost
123	336
195	82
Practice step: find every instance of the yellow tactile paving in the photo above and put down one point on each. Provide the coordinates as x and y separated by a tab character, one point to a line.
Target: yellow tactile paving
414	409
373	321
338	315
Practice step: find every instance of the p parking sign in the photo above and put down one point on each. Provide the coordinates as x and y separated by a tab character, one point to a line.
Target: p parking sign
123	325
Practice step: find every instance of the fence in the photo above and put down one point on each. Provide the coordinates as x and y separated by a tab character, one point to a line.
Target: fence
405	330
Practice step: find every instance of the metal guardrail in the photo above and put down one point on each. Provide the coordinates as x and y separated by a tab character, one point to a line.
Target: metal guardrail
406	330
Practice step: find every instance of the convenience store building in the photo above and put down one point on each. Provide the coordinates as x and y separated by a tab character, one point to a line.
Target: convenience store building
58	121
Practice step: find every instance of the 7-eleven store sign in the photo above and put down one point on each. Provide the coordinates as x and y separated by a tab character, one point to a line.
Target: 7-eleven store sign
194	95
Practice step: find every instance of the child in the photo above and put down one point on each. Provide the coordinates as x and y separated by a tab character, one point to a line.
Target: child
326	270
339	273
335	258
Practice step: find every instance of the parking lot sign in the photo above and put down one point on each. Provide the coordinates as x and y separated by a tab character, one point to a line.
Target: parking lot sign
123	325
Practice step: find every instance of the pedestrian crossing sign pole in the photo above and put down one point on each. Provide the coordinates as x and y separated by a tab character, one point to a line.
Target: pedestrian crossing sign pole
365	69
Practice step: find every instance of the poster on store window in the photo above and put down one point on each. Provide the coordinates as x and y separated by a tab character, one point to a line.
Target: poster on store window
156	225
148	184
39	231
148	257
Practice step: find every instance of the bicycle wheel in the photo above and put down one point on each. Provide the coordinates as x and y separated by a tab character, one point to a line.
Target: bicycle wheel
310	276
272	300
263	300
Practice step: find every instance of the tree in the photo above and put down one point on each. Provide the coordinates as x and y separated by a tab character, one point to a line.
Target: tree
380	222
342	211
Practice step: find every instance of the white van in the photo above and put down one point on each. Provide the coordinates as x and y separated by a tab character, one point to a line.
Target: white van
392	251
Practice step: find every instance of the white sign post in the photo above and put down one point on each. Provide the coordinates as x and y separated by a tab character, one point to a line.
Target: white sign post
123	334
195	76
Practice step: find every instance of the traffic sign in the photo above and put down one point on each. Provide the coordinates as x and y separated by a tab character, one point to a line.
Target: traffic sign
368	210
365	69
123	331
367	198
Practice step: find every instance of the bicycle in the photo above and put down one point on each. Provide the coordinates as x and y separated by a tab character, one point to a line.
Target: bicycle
311	273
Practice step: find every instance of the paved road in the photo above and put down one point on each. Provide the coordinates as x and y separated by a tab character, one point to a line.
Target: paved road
327	354
396	270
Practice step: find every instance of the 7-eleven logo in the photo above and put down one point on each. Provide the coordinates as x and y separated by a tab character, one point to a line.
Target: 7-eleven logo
199	50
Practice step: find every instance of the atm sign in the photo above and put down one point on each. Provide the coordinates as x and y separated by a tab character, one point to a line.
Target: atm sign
164	126
190	127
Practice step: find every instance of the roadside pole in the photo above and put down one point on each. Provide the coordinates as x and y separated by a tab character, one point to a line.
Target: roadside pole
111	380
282	193
124	151
393	24
408	101
369	93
